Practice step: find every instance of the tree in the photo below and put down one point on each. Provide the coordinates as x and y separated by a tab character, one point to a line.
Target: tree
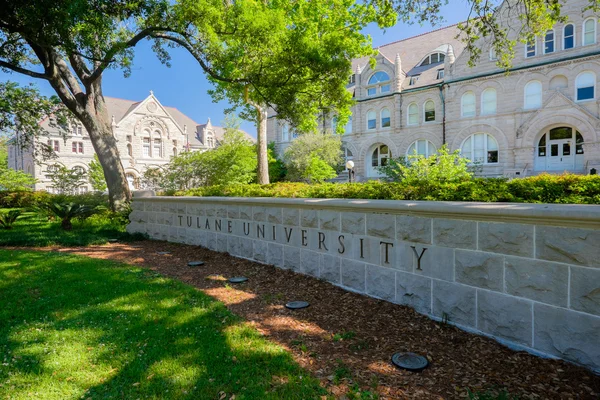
12	180
67	180
277	170
313	157
96	175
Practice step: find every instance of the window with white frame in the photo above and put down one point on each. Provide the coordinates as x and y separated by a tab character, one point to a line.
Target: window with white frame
480	148
413	80
533	95
585	86
433	59
493	55
371	120
379	82
488	101
54	145
429	111
589	31
146	147
285	133
413	114
385	118
530	48
440	74
157	149
77	147
568	36
549	42
467	104
421	147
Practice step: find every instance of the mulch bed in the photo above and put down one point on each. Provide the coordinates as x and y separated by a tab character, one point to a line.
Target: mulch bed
346	339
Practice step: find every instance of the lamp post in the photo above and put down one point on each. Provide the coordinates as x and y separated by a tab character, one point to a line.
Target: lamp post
350	168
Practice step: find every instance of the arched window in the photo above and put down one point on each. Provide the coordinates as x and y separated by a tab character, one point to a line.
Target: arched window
285	133
129	150
146	147
480	148
421	147
413	114
379	82
433	59
589	31
467	104
371	120
131	181
585	86
488	101
157	149
568	37
379	158
429	111
559	82
348	154
493	55
549	42
533	95
174	152
385	118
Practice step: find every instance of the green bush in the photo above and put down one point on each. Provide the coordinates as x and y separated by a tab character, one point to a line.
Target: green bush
545	188
8	218
28	199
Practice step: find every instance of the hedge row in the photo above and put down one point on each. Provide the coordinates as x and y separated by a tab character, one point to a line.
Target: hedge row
27	199
545	188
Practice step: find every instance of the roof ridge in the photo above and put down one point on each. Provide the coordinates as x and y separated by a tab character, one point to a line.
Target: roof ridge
419	35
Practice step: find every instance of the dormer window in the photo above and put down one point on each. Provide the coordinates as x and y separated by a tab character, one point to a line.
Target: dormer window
378	83
440	74
352	79
433	59
413	80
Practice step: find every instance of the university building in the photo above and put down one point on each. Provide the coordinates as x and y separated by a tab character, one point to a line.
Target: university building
148	134
542	116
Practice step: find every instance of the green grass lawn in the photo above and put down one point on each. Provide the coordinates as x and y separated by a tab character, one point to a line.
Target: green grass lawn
73	327
34	230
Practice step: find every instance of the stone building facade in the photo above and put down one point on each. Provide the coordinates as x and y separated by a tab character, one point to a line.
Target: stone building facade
541	116
148	135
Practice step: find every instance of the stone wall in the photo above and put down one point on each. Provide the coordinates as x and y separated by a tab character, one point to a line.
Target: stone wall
527	275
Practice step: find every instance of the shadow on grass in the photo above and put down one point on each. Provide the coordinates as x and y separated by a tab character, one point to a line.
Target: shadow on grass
72	326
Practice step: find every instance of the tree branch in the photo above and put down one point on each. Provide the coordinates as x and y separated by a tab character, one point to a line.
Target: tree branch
24	71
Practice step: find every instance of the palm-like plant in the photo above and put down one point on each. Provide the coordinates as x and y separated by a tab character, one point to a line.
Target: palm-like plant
68	211
7	219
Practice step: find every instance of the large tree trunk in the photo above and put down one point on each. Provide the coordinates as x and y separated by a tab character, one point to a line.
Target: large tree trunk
261	144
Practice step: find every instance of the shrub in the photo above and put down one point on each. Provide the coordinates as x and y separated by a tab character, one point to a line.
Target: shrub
8	218
69	211
308	157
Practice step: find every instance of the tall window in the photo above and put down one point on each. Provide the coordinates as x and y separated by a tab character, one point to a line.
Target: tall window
77	147
549	42
380	156
480	148
371	120
385	118
74	130
348	128
285	133
157	149
533	95
54	145
585	86
413	114
568	37
488	101
174	151
421	147
467	104
589	31
146	147
378	82
429	111
493	55
530	49
129	150
440	74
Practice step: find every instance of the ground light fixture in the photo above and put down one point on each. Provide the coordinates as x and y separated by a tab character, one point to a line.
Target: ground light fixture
350	168
410	361
296	305
163	253
195	263
237	279
112	240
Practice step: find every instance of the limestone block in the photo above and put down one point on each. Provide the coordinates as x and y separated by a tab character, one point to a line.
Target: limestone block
221	243
233	212
138	205
321	241
291	258
191	209
246	247
160	218
455	233
413	229
512	239
209	210
537	280
371	250
344	244
309	218
172	234
291	216
567	334
354	223
381	226
135	227
484	270
169	219
221	211
414	291
454	302
275	254
152	217
310	262
585	290
504	316
180	208
233	245
202	238
246	213
274	215
211	241
164	206
329	268
381	282
259	213
353	275
568	245
436	262
329	220
260	251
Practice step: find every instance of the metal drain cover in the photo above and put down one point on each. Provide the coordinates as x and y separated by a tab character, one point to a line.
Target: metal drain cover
113	240
296	305
195	263
238	279
410	361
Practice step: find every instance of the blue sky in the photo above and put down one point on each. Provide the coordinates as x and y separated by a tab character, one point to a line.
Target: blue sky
184	86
